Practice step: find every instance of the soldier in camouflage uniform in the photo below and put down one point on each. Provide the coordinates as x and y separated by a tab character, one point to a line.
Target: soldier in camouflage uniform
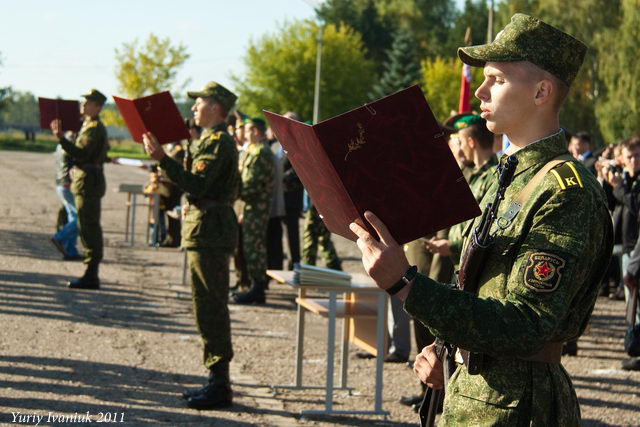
540	281
88	184
209	233
256	191
316	235
476	141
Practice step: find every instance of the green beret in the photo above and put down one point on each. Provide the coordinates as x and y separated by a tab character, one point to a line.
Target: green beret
448	125
214	90
96	96
468	120
529	39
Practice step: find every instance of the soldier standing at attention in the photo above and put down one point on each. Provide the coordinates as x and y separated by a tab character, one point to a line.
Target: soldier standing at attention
209	233
540	281
256	170
87	183
476	142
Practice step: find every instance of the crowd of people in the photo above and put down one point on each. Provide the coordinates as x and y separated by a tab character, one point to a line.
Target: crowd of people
231	187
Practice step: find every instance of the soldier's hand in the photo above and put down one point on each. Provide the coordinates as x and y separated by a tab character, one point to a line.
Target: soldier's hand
383	260
152	147
56	128
438	246
428	367
630	281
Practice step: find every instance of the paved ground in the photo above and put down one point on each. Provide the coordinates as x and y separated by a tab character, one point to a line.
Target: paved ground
127	350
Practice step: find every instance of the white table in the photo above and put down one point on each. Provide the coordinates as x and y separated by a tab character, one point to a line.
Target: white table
348	309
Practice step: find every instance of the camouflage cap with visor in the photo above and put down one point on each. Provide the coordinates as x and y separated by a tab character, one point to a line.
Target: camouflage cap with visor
96	96
529	39
214	90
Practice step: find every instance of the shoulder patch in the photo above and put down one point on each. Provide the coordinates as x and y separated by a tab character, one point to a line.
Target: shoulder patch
91	124
543	272
216	136
567	176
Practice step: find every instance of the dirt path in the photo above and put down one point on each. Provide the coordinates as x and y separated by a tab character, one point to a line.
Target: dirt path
130	348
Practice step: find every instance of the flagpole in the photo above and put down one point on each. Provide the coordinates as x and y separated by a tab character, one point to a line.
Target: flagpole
490	24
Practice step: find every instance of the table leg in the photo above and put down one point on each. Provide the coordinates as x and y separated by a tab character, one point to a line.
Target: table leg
126	227
331	337
344	350
380	350
300	339
133	220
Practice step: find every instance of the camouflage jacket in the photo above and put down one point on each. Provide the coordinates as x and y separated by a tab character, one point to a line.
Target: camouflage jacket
213	179
479	181
89	153
539	285
257	170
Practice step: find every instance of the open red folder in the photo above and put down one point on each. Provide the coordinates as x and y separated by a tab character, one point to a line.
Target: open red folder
390	157
155	113
67	111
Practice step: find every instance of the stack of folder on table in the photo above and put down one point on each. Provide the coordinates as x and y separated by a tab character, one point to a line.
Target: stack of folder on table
304	274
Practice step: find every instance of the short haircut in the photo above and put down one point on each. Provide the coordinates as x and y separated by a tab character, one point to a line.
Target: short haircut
211	100
561	89
260	125
584	137
631	143
479	132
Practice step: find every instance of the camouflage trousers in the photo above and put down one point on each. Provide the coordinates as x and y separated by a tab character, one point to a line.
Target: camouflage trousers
316	235
209	271
254	241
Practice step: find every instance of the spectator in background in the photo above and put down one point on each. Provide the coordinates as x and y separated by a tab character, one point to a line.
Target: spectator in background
66	237
580	148
275	254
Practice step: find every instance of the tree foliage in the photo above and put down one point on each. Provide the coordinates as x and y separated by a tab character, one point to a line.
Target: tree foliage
21	108
618	112
441	85
150	68
281	69
401	69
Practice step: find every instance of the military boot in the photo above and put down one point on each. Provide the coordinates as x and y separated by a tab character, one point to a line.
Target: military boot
255	295
190	392
214	395
89	279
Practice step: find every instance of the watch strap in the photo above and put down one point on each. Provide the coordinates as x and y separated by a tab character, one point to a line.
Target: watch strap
409	275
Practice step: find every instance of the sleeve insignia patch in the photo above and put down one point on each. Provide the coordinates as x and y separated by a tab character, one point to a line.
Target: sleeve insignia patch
567	176
543	272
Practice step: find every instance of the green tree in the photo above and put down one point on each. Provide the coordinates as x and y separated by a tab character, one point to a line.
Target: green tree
441	85
281	71
475	15
362	16
21	109
618	112
150	68
401	69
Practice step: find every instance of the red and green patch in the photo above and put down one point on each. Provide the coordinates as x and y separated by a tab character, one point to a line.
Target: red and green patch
543	272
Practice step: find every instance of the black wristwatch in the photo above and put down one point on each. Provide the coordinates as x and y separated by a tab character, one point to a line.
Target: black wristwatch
404	281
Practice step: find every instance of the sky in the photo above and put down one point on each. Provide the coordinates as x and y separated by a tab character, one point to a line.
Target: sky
65	48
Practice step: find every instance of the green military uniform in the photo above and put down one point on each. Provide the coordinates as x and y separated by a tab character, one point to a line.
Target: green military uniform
316	235
256	170
540	281
479	180
209	229
88	184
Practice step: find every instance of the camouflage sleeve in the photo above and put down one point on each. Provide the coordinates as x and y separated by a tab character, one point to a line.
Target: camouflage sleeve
257	176
87	143
206	168
551	275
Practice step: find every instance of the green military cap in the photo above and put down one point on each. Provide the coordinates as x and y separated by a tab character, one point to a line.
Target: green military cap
449	124
221	94
96	96
258	121
529	39
468	120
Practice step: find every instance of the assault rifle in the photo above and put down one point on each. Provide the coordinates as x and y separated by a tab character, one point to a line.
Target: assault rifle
473	261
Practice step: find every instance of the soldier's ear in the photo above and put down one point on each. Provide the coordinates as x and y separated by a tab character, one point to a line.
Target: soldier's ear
544	92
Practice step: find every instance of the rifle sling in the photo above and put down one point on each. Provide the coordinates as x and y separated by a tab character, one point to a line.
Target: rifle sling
551	352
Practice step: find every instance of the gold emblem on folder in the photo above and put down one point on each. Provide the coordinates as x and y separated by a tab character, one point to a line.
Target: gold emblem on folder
357	142
148	107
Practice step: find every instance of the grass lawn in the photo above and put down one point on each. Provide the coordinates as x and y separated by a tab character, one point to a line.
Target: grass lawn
15	141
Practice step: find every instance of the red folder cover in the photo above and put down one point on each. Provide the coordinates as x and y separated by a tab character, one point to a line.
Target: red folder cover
390	157
64	110
155	113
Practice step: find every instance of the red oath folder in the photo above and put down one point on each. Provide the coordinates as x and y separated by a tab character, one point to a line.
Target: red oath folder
155	113
68	112
390	157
